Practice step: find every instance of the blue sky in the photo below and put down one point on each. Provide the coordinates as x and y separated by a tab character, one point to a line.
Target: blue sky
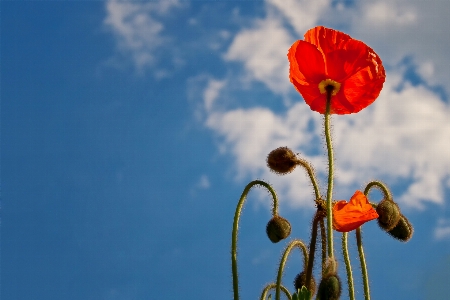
129	130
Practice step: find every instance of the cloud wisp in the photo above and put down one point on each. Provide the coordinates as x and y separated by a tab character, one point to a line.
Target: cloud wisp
137	29
402	138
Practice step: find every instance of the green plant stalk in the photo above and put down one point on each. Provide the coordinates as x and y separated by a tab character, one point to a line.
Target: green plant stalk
363	264
311	175
294	243
312	250
272	286
324	245
330	176
234	234
348	266
378	184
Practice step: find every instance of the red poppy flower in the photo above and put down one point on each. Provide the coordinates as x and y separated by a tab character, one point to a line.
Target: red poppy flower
328	58
348	216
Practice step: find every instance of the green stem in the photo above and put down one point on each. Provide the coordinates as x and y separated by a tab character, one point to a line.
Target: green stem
272	286
330	176
236	225
363	264
294	243
312	250
381	186
323	237
348	266
311	175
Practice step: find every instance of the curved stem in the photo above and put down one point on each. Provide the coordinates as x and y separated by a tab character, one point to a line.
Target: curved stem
348	266
311	175
271	286
363	264
330	175
294	243
381	186
323	237
234	234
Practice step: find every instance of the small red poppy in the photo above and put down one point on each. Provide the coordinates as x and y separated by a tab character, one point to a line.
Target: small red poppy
348	216
328	58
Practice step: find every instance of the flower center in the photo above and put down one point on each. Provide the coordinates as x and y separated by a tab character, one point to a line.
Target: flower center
329	85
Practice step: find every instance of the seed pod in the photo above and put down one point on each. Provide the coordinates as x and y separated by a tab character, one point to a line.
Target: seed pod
300	280
403	231
282	160
389	214
278	228
329	288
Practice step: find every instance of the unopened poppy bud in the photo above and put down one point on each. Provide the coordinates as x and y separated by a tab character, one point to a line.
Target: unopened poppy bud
388	214
300	280
282	160
329	288
278	228
403	231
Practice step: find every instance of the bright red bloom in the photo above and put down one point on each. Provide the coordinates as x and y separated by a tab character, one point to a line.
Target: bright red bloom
348	216
330	57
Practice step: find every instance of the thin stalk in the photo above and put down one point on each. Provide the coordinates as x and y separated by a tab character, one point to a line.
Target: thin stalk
323	237
294	243
312	250
330	175
378	184
272	286
363	264
234	234
348	266
311	175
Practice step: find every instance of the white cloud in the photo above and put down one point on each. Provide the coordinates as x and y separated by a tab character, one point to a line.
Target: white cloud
442	231
301	14
403	135
212	92
203	182
263	49
137	29
399	28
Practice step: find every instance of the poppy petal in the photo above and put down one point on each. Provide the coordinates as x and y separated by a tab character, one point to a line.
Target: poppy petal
307	64
328	54
351	215
326	39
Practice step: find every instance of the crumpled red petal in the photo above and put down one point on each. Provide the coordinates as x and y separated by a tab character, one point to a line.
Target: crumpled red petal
348	216
330	54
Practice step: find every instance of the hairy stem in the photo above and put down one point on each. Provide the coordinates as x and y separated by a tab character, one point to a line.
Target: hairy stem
381	186
330	176
348	266
323	237
312	249
294	243
311	175
272	286
363	264
234	234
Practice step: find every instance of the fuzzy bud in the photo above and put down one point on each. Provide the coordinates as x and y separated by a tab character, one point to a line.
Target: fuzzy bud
300	280
389	214
403	231
329	288
278	228
282	160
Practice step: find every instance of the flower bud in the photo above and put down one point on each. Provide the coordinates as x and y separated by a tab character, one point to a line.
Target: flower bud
389	214
278	228
300	280
403	231
329	288
282	160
